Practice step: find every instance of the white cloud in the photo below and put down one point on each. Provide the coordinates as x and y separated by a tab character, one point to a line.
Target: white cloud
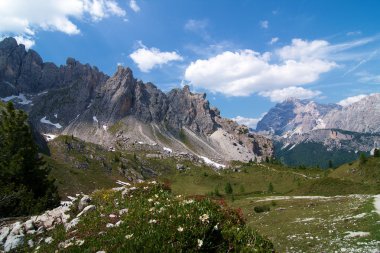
290	92
365	77
304	50
361	62
196	25
264	24
245	72
249	122
273	40
354	33
26	41
25	18
148	58
351	100
134	6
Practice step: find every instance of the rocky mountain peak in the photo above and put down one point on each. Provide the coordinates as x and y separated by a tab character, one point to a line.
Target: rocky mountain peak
295	116
9	44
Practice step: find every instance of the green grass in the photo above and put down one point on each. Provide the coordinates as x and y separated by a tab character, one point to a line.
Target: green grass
315	225
367	173
156	221
250	182
83	167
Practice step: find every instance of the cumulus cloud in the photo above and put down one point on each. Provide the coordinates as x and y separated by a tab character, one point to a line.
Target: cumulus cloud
149	58
245	72
134	6
273	40
264	24
290	92
26	41
249	122
351	100
25	18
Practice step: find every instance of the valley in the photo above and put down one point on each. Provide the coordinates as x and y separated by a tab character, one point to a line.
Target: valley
309	210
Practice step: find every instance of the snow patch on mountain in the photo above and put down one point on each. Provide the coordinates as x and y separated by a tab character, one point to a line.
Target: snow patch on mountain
46	121
208	161
20	99
50	137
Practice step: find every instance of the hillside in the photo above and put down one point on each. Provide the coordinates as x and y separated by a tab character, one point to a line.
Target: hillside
298	197
143	216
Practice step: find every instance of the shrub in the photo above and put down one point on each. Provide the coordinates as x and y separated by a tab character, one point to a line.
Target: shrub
261	209
158	221
270	187
362	159
228	188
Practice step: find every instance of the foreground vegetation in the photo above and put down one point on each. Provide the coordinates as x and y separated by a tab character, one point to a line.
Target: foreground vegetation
275	200
148	216
24	184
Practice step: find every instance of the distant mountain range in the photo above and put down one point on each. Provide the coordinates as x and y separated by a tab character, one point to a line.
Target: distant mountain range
120	112
333	128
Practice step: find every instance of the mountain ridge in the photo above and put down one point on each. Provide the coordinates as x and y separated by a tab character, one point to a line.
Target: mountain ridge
121	111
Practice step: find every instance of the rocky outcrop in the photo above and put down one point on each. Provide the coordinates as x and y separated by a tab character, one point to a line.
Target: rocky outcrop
79	100
362	116
24	71
294	116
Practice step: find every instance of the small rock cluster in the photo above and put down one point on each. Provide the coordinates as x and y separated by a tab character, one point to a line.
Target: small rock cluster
13	235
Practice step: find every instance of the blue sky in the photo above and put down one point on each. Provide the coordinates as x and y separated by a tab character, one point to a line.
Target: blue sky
246	55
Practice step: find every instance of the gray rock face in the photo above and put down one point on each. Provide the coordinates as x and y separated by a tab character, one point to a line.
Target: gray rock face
362	116
13	241
353	128
79	100
295	116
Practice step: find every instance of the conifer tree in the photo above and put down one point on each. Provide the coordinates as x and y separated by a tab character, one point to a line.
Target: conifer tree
24	184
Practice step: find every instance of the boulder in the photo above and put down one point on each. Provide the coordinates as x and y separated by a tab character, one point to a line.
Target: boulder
4	232
84	201
180	167
71	224
29	225
13	241
86	210
17	229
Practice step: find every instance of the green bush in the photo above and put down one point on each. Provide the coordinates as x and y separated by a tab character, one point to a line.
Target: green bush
261	209
228	188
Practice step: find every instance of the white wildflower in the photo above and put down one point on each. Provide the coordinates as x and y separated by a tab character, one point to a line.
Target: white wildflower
128	236
204	218
150	200
216	227
200	243
152	221
188	201
180	229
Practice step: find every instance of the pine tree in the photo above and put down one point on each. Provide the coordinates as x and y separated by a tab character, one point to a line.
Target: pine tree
270	187
24	184
362	159
228	188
